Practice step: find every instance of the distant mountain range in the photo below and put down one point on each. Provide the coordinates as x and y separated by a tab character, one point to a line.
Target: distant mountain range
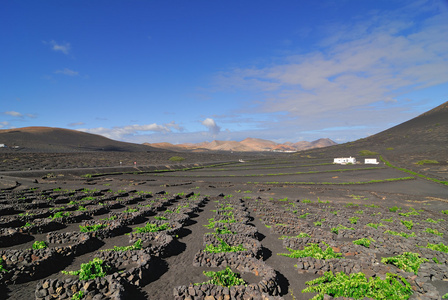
425	135
246	145
49	139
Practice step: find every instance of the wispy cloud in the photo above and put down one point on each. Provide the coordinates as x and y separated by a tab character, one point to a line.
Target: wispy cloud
4	124
67	72
360	67
127	132
62	47
75	124
13	114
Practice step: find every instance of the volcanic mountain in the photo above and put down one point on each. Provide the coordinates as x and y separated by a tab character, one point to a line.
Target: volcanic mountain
49	139
425	136
246	145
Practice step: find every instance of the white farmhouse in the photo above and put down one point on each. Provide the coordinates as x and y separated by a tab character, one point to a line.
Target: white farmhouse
371	161
2	146
344	160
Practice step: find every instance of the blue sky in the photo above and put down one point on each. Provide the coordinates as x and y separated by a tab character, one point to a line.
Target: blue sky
191	71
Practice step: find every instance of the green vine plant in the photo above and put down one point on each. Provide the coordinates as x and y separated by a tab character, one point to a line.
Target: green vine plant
112	218
59	215
90	270
357	286
299	236
2	267
353	220
402	234
340	227
78	295
438	247
223	230
212	222
433	231
313	250
408	261
92	228
223	247
40	245
409	224
374	225
364	242
429	220
150	227
225	278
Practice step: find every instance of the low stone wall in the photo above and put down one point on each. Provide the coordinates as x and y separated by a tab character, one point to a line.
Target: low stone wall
253	246
27	265
100	288
267	285
162	244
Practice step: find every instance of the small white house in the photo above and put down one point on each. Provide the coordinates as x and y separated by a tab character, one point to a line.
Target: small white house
371	161
2	146
344	160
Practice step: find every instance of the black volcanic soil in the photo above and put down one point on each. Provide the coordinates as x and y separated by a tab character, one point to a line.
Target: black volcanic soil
260	180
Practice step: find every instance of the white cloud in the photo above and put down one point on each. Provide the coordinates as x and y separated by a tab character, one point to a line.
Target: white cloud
4	124
63	47
211	126
128	132
13	114
67	72
74	124
366	65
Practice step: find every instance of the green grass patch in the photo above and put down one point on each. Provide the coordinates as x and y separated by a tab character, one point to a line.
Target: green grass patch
412	172
176	158
367	153
427	162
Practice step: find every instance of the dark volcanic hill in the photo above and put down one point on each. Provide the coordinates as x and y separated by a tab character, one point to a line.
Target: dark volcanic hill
423	137
48	139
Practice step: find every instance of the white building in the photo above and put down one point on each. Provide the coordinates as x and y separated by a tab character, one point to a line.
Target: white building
371	161
344	160
2	146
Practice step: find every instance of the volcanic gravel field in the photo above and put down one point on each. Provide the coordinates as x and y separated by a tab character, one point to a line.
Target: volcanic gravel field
267	204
